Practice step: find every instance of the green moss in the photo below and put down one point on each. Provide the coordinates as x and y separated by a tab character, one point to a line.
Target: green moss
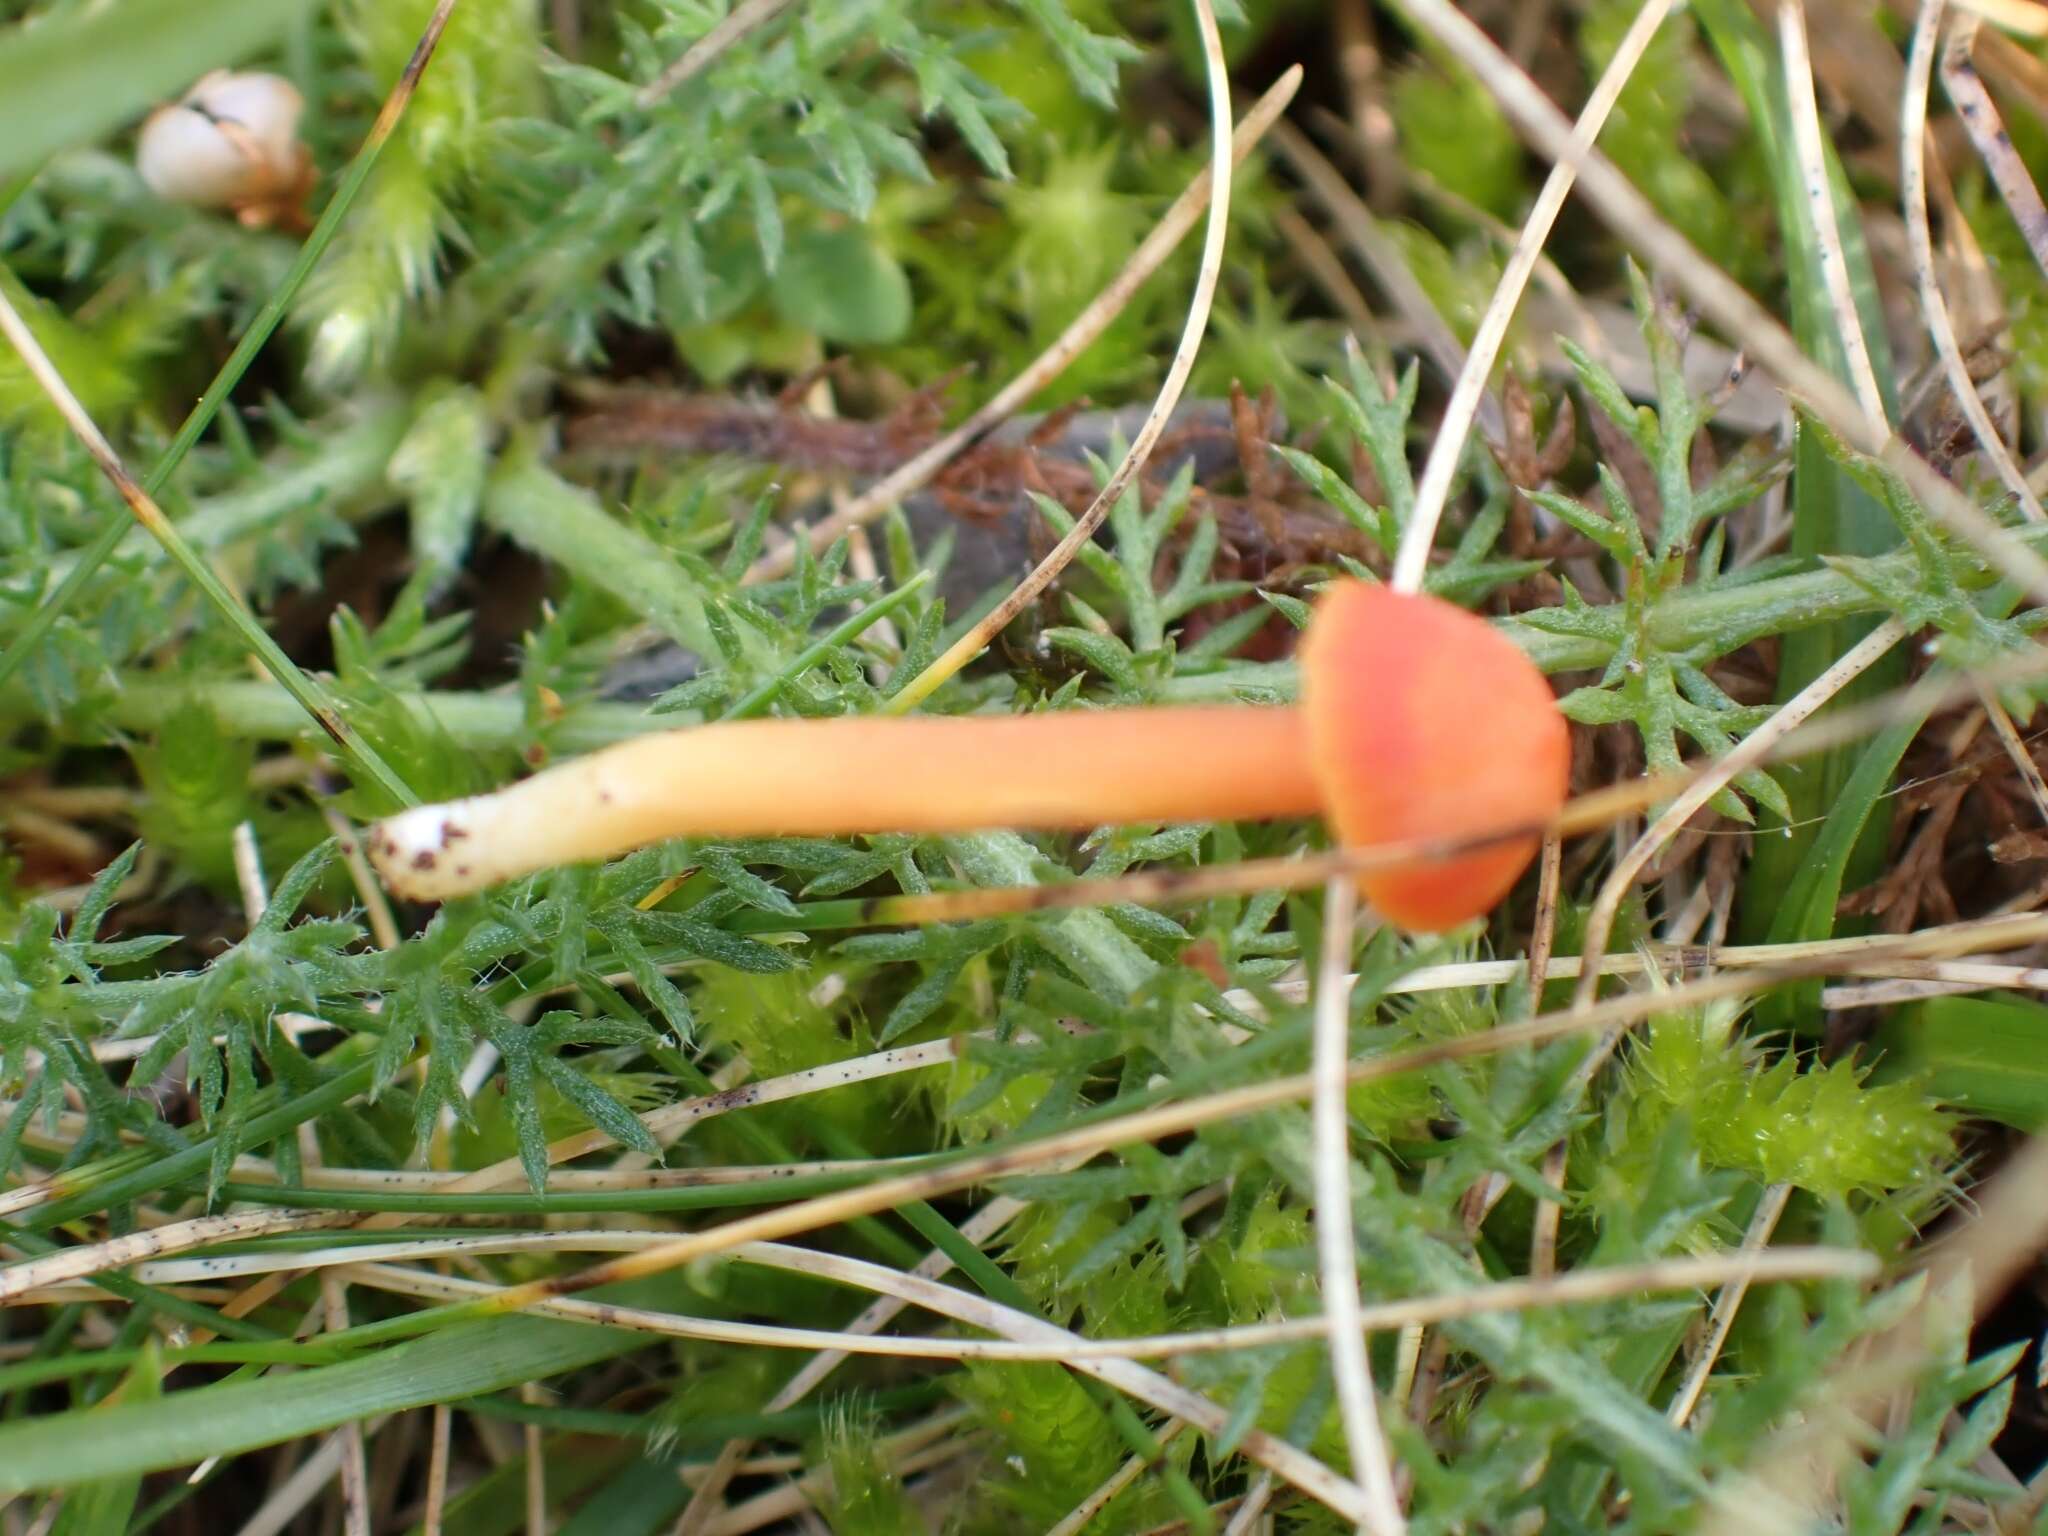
1823	1129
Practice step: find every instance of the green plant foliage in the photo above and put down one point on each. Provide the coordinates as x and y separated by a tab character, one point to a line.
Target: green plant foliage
1057	1444
1453	132
1662	692
1943	589
1647	137
867	1498
441	466
1980	1053
197	780
485	72
400	487
108	1505
839	287
1824	1129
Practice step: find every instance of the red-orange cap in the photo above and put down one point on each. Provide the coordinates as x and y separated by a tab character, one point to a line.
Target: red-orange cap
1426	721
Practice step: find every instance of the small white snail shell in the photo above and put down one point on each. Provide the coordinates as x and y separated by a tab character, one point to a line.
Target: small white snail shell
231	142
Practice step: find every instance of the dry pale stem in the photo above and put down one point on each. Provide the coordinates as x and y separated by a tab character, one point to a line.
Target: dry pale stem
1934	309
1411	563
1636	222
1336	1244
978	636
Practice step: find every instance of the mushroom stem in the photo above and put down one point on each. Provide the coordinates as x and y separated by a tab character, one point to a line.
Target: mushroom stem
1418	720
757	778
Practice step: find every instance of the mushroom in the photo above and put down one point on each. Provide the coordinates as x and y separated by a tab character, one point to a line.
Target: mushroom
1417	720
231	142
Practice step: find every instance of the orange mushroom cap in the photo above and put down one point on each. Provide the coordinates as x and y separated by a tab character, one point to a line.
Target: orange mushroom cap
1425	721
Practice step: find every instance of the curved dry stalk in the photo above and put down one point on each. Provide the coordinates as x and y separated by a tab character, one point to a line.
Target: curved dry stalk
437	1469
1543	930
277	1512
1935	691
1993	144
1666	960
248	862
1411	562
1637	223
670	1121
2029	18
1811	149
536	1468
1934	312
966	1171
705	1499
1297	1466
1934	978
566	1180
1336	1243
294	1027
115	1253
383	1266
1026	592
2016	749
1256	1498
1755	748
1081	332
1549	1214
1761	1226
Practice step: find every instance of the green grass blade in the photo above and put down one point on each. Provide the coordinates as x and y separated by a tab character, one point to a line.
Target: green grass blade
643	1499
127	1439
564	524
1831	515
193	1161
104	1506
1805	905
1988	1055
